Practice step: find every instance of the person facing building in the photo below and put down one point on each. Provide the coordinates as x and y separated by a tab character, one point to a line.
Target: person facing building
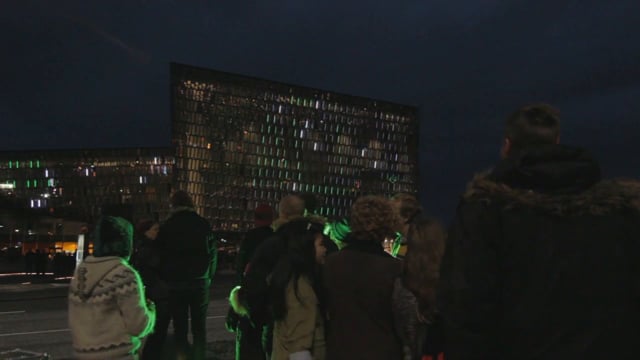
147	260
293	296
248	299
414	292
358	281
263	217
189	263
408	208
541	260
108	313
248	336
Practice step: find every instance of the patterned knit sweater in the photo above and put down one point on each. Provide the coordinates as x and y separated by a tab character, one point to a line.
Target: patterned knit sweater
108	314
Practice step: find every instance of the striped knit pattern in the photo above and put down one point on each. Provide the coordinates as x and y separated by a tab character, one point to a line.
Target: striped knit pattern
107	310
120	282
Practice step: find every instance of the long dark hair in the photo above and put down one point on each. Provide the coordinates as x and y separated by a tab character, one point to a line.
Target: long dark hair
421	266
299	259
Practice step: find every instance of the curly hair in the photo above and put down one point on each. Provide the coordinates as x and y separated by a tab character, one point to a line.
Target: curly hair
373	219
407	206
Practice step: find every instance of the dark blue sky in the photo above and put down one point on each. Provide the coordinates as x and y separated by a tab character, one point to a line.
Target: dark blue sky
95	73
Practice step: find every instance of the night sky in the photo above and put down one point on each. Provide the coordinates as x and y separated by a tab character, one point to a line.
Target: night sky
77	74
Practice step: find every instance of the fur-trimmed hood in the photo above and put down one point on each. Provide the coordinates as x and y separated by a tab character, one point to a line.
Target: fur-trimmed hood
605	197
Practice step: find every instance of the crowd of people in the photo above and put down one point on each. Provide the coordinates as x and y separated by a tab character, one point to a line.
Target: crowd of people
539	262
122	298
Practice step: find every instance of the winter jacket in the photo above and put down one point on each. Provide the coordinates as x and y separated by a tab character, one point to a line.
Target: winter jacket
542	262
252	240
358	282
108	314
148	263
300	335
189	250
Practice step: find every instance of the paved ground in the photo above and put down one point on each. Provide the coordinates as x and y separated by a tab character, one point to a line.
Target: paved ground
33	317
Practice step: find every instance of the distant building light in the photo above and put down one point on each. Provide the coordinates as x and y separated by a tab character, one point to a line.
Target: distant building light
46	173
7	186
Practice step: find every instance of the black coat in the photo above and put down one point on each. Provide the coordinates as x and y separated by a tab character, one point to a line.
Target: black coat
148	261
252	240
542	262
189	250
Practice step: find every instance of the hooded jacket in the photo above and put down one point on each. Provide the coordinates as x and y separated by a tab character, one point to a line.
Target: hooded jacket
107	311
542	262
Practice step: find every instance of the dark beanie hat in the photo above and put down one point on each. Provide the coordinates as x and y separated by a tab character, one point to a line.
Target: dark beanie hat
113	237
263	215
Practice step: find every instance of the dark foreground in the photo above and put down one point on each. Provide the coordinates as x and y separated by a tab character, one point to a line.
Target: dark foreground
33	317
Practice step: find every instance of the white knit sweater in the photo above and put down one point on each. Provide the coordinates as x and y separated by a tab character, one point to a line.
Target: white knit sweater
108	314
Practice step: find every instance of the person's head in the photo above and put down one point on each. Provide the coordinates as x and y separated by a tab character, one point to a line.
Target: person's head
421	265
113	237
148	228
303	238
407	207
373	219
310	203
181	198
263	215
290	207
303	252
531	125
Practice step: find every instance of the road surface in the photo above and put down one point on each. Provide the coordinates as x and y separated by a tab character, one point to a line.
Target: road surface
34	318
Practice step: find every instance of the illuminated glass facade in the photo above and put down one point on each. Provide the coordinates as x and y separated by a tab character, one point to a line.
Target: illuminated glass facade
77	183
242	141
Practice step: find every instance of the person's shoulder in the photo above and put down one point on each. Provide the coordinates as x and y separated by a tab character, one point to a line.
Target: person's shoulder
263	231
603	198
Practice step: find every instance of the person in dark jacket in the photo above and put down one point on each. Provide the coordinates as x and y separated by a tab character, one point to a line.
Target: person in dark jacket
189	263
248	337
248	299
541	260
263	217
358	282
147	260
